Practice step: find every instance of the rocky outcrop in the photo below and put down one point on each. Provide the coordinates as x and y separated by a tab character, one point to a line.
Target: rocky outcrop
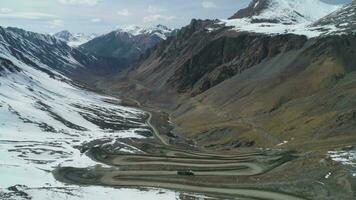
227	56
254	8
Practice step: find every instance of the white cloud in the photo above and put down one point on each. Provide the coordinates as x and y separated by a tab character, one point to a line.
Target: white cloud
208	4
154	9
79	2
56	23
124	12
7	13
24	15
5	10
95	20
158	17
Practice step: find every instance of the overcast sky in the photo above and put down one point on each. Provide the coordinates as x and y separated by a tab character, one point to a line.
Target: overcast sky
101	16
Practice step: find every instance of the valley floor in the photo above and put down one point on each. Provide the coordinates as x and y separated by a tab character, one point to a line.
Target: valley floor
171	162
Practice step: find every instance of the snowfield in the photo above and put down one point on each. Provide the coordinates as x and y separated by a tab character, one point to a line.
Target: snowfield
285	16
42	119
276	29
345	158
76	39
159	30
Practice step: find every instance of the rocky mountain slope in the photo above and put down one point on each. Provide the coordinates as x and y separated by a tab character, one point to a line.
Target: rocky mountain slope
44	115
237	84
37	50
226	87
74	40
341	22
230	87
127	44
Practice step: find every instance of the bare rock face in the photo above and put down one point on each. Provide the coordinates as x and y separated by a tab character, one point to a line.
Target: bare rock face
227	56
198	58
255	8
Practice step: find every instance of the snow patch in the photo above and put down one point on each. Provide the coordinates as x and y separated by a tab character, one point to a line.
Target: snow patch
159	30
345	157
284	17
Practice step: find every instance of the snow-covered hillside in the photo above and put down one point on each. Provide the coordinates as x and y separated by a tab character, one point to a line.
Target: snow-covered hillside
44	116
342	21
74	40
43	52
161	31
281	16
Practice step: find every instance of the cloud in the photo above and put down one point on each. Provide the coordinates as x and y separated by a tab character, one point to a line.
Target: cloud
158	17
154	9
124	12
208	4
95	20
79	2
5	10
56	23
9	14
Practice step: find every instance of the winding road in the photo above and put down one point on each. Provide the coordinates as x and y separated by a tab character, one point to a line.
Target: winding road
155	131
178	169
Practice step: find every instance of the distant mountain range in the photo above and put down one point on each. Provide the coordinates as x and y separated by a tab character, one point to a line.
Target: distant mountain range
127	44
76	39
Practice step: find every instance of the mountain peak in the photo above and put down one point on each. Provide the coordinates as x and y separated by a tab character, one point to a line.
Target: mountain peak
74	40
285	11
162	27
63	35
254	8
281	17
138	30
158	30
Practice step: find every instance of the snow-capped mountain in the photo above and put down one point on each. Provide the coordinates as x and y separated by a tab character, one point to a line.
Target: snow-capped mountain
342	21
159	30
285	11
281	16
43	52
74	40
127	44
44	115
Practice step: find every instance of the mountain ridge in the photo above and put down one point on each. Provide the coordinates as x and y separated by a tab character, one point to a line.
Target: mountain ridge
74	40
281	16
342	21
127	44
